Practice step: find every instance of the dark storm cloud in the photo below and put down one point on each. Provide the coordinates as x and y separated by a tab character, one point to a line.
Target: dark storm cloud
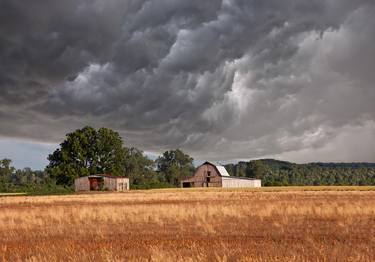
221	79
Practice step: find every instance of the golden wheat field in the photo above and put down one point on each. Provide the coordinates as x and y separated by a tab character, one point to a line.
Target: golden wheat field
191	225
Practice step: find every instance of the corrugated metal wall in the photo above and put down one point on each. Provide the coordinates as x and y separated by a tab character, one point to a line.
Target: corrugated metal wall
110	184
82	184
122	184
238	182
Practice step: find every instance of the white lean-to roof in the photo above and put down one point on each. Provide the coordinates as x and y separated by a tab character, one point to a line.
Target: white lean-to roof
222	171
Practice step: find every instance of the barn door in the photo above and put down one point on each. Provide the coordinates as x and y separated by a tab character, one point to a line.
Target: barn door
96	184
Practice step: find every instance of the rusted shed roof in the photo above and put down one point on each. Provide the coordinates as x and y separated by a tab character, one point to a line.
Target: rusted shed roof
105	175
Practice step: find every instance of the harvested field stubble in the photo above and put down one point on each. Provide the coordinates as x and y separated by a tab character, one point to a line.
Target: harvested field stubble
185	225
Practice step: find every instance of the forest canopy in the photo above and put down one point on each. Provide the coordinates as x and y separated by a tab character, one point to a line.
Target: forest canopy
281	173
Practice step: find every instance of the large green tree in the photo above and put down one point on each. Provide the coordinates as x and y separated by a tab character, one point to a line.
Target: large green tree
175	165
87	151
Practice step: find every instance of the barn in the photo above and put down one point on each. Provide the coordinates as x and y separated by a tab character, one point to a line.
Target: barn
211	175
101	182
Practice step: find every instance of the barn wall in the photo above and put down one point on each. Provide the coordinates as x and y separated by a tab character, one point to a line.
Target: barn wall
128	183
110	183
122	184
116	184
238	182
200	177
82	184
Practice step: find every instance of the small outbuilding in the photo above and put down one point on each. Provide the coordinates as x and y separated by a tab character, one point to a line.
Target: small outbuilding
211	175
101	182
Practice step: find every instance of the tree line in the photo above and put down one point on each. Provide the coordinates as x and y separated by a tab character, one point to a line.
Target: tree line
282	173
88	151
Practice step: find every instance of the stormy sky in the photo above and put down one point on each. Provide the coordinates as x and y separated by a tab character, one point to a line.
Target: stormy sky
222	80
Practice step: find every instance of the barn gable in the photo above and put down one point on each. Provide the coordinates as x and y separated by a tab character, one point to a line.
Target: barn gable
206	175
220	169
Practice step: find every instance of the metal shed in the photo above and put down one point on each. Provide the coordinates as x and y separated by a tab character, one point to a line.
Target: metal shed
101	182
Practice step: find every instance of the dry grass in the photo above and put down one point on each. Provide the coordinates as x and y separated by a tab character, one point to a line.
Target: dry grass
190	225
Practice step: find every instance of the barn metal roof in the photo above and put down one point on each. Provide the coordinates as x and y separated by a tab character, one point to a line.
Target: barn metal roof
222	170
244	178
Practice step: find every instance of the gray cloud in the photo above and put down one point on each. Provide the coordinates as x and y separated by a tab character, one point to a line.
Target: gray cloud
222	80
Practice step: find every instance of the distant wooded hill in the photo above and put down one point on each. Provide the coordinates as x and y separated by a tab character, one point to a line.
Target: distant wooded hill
281	173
